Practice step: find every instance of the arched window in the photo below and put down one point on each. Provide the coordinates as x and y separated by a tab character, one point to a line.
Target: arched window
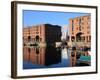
37	38
29	38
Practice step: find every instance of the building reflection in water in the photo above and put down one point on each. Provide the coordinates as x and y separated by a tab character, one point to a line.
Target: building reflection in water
75	59
40	56
50	57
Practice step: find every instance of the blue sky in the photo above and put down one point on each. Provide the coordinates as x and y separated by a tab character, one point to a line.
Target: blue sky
31	17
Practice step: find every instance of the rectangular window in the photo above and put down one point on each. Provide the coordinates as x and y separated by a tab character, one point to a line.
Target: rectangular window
72	25
80	24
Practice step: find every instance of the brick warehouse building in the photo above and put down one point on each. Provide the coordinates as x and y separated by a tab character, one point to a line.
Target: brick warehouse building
80	29
44	33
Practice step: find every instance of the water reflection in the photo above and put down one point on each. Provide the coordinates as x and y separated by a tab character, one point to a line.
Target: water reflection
35	57
79	58
51	57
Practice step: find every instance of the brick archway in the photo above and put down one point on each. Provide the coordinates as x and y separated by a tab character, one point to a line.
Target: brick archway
37	38
79	37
